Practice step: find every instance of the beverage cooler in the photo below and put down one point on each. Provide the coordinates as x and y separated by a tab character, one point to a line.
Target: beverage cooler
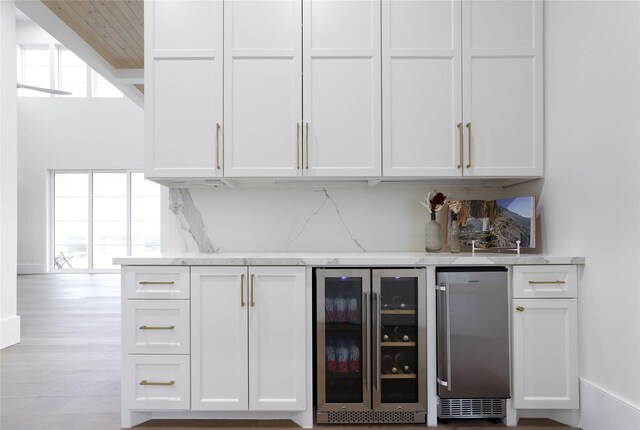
371	346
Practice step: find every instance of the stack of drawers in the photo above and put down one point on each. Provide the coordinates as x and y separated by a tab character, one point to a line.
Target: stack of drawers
156	333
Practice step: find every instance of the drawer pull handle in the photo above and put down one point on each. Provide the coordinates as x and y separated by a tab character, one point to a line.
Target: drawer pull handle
520	308
242	290
164	384
156	282
547	282
253	302
150	327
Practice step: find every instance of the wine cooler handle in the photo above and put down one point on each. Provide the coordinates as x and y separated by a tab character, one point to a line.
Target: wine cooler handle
443	291
365	345
376	345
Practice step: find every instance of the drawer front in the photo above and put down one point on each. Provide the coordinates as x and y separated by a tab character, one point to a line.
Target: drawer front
154	382
156	327
155	282
539	282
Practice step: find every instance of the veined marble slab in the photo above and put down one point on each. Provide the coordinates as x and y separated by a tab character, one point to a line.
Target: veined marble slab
344	259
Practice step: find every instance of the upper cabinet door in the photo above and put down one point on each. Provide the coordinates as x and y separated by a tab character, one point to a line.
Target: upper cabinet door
277	338
421	79
263	88
183	90
502	87
342	93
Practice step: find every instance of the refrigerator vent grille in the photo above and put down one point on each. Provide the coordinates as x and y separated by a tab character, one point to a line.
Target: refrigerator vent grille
357	417
471	408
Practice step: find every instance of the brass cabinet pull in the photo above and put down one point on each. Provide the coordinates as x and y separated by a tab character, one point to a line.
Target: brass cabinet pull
469	127
306	136
159	327
547	282
242	290
218	145
156	282
297	145
166	384
461	135
519	308
253	303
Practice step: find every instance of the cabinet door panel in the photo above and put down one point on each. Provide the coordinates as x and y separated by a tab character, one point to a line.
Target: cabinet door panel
342	94
185	100
503	87
277	327
219	352
545	354
421	72
263	88
184	26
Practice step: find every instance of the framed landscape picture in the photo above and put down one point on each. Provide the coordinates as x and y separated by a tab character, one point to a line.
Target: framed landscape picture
498	223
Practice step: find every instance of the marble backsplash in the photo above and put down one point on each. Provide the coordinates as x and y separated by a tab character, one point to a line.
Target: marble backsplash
341	219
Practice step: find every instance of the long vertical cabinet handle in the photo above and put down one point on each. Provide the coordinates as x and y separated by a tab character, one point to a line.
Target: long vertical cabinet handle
253	303
242	290
461	136
297	146
376	345
469	160
306	137
365	343
218	145
448	317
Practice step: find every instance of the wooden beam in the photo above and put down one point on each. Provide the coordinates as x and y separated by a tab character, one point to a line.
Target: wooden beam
52	24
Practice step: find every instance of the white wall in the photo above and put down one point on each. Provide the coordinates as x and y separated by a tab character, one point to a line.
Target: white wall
67	133
9	320
590	197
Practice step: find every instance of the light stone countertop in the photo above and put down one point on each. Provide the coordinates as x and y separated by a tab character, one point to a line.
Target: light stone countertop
345	259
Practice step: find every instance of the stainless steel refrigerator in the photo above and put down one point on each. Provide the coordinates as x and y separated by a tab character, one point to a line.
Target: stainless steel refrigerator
472	341
371	346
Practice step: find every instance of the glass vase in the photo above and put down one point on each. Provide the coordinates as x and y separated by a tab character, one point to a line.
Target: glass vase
433	235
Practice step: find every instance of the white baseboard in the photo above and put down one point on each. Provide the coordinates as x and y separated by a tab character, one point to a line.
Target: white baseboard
9	331
602	410
31	269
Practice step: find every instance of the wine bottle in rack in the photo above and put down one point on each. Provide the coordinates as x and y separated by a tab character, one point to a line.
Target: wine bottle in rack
354	357
401	362
331	358
397	302
388	367
401	334
342	358
385	335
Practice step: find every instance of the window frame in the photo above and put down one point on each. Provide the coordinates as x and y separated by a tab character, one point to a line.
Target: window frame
51	248
53	65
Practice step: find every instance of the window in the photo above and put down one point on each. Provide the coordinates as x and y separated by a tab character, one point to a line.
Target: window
102	214
36	70
68	73
72	73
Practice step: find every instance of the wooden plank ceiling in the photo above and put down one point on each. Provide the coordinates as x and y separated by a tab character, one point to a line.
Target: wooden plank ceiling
113	28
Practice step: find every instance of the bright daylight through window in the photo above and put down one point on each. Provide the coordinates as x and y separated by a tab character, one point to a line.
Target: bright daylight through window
98	215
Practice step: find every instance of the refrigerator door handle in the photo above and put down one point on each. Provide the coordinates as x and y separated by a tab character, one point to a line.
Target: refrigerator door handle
365	344
376	336
443	291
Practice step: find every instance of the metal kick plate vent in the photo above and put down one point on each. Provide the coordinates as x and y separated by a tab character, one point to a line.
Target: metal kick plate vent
367	417
471	408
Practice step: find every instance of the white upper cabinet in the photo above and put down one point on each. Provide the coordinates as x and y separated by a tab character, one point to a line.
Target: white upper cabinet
183	89
503	87
342	88
262	88
421	80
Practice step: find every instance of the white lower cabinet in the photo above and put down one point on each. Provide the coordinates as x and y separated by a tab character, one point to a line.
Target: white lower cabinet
248	338
155	382
545	354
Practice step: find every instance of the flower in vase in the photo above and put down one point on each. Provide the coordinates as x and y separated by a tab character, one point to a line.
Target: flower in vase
434	204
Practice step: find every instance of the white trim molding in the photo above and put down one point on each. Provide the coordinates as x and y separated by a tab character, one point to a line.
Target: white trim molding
603	410
9	331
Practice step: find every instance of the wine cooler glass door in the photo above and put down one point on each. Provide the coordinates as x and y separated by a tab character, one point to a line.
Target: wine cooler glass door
399	349
343	333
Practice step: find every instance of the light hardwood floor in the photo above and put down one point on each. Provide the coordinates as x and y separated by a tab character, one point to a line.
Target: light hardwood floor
65	373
